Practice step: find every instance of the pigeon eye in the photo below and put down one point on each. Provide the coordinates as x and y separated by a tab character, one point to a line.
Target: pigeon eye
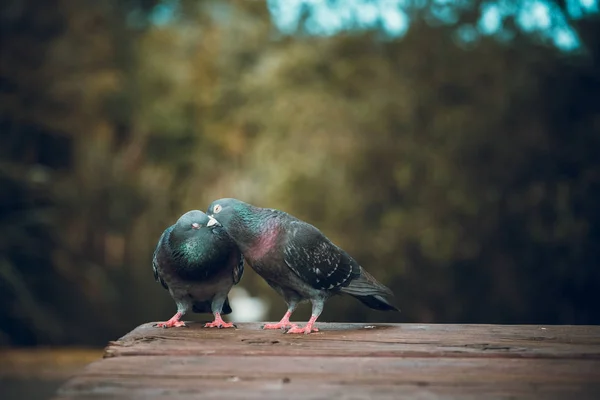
217	209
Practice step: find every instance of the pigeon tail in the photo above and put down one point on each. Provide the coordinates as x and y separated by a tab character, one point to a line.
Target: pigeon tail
370	292
206	307
377	303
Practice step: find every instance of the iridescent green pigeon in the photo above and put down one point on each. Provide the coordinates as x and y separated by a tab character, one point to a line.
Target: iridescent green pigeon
296	260
198	263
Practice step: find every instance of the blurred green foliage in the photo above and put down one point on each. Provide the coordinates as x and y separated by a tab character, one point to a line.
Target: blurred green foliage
468	181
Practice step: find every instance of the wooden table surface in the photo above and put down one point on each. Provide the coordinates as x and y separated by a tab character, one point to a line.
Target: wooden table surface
347	361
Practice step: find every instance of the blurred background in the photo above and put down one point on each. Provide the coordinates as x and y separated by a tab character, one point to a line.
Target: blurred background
451	147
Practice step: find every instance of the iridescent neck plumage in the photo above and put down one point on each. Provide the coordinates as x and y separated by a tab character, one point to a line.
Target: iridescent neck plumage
255	230
186	248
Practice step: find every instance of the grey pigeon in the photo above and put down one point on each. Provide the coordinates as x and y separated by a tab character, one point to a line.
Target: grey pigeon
199	264
296	260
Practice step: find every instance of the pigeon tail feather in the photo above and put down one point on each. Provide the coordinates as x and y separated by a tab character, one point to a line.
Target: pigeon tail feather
377	303
370	292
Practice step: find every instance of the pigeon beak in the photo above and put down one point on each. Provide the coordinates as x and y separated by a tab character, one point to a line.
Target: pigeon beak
195	225
212	221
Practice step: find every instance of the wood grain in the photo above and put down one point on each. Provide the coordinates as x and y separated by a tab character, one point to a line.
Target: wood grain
349	361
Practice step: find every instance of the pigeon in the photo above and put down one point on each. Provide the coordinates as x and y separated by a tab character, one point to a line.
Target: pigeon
296	259
198	263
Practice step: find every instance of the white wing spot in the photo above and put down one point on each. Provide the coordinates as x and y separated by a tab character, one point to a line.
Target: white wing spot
349	273
332	272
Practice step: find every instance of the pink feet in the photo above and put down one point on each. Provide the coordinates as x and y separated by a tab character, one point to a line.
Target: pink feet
170	324
284	323
174	322
280	325
219	323
306	330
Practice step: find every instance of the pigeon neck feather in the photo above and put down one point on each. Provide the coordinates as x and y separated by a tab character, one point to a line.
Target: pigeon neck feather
187	249
257	231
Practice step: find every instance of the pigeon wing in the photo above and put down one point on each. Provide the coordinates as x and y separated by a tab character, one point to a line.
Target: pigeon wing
238	271
316	260
156	256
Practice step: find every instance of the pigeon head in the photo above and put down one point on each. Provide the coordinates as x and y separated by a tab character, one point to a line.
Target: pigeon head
242	221
191	222
224	211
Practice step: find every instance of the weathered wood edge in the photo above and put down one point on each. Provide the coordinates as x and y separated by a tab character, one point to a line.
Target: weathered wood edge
436	361
479	340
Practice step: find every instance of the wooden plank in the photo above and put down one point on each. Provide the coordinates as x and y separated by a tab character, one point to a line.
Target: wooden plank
382	340
349	361
326	377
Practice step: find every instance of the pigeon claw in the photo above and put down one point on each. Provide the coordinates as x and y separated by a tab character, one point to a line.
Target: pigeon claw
171	324
284	323
295	329
279	325
220	324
